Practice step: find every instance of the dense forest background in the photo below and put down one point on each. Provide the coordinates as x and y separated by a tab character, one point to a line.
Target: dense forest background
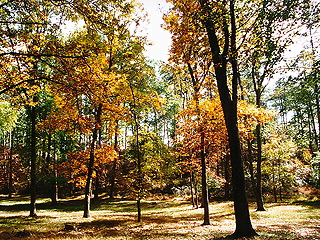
83	111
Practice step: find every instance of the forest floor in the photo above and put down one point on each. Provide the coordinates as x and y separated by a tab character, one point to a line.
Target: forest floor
161	219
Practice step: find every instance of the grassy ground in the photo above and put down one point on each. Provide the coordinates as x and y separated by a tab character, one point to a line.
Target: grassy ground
162	219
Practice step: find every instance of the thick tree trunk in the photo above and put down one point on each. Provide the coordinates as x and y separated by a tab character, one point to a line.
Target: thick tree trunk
33	159
229	105
88	187
227	179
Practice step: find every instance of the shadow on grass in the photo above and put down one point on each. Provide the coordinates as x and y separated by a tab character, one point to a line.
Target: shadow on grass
65	206
73	205
313	204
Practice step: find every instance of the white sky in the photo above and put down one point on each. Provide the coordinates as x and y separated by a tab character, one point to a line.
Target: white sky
159	38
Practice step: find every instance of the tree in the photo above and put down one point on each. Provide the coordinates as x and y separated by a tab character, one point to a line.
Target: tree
229	101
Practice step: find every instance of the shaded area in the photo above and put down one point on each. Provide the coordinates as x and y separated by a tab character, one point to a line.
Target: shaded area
165	219
315	204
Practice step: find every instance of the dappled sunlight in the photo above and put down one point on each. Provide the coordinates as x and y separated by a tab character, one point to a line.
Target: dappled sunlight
164	219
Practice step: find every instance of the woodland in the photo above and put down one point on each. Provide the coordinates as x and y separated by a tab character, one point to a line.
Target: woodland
225	133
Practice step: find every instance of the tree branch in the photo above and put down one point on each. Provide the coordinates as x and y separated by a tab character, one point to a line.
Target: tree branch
23	23
15	85
39	55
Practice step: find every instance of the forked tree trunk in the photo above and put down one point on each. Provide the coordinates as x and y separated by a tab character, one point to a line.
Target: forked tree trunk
229	105
88	187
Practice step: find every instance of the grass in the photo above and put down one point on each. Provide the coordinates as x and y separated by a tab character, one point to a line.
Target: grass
162	219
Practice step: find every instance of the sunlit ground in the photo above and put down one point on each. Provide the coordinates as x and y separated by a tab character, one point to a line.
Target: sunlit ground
162	219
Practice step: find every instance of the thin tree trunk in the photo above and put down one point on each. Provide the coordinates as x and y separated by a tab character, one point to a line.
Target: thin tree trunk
88	187
96	187
251	170
10	180
55	190
196	192
317	95
259	198
139	168
313	124
139	157
33	159
204	187
274	182
114	164
191	189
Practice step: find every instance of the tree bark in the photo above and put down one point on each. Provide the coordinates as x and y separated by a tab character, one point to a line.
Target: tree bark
227	179
204	188
33	159
259	199
229	105
191	190
88	187
10	180
55	189
258	88
317	96
139	160
114	164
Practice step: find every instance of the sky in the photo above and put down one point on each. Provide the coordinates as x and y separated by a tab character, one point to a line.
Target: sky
159	37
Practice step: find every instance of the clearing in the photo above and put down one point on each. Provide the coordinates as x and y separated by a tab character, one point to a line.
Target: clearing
162	219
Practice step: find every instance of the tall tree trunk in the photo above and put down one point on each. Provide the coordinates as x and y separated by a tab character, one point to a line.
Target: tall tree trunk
204	187
114	164
229	105
259	199
139	180
251	170
88	187
96	187
274	182
138	152
10	180
33	159
55	176
317	96
191	190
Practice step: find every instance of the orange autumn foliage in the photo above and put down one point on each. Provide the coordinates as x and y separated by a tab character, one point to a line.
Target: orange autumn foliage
212	122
